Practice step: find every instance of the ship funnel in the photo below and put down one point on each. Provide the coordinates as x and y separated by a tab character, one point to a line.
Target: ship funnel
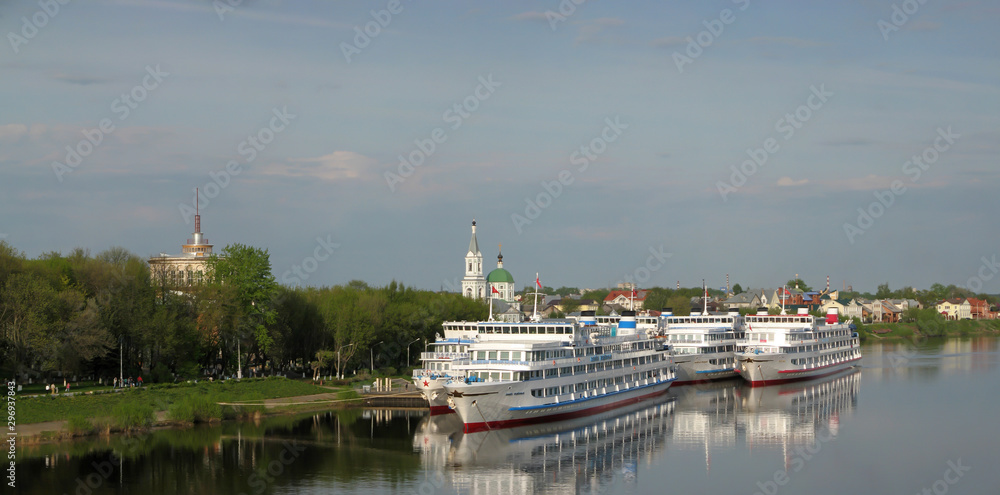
588	318
733	312
667	312
803	311
626	325
831	316
762	311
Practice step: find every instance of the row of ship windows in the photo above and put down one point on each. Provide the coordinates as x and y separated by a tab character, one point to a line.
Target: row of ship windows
791	337
704	350
527	330
792	350
779	319
697	337
821	359
593	384
808	348
568	370
702	319
562	353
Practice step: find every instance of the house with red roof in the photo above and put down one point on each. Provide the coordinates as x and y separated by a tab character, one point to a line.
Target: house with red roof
622	298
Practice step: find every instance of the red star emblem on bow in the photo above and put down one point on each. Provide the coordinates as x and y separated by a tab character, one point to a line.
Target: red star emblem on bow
426	384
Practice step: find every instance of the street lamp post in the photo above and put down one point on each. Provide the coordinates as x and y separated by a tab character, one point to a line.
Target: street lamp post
371	351
408	352
341	373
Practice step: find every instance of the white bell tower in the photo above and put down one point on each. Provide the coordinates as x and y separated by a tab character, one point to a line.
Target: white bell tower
474	284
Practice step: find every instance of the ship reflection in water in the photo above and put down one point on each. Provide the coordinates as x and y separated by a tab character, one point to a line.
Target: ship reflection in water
581	455
791	417
589	455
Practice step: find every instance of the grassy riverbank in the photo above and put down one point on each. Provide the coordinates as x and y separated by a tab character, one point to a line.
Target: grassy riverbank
181	402
928	328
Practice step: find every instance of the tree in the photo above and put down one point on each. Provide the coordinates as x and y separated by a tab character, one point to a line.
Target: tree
681	304
797	282
883	291
243	292
737	289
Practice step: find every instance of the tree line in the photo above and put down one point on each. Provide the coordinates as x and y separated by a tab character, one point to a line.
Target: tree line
101	315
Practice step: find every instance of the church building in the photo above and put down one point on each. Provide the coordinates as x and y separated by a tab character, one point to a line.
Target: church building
474	284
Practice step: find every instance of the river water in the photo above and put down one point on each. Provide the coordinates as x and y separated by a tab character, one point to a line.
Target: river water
912	417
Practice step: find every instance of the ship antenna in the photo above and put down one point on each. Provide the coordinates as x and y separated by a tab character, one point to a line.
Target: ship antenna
197	214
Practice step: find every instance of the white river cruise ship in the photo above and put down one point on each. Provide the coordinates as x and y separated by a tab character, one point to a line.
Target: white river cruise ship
783	348
550	370
703	345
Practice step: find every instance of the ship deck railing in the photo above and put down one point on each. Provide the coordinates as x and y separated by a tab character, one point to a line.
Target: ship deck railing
443	355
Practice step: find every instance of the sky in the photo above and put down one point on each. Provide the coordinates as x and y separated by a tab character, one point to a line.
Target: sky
598	142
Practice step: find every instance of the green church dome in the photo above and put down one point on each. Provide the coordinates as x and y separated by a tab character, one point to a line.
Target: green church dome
500	275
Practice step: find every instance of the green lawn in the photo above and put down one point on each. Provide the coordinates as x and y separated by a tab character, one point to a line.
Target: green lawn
160	397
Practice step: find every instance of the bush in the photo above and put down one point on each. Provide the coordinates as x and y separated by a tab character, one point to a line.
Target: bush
160	374
132	416
79	425
196	409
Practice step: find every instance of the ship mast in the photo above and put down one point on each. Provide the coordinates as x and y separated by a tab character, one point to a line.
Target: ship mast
704	299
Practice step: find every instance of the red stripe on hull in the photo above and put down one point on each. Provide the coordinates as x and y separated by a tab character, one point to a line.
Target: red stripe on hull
763	383
510	423
436	410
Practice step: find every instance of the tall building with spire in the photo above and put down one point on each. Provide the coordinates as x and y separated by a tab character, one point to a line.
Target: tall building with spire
188	268
474	284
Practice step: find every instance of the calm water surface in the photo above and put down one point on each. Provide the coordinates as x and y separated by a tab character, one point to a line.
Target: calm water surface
913	417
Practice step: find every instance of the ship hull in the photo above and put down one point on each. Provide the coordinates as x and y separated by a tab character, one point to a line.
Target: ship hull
700	370
761	370
432	389
488	406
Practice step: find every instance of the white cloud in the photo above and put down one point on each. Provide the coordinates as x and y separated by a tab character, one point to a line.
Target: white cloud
13	131
789	182
334	166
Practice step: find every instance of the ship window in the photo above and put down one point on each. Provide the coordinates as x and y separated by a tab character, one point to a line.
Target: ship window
493	355
516	355
504	355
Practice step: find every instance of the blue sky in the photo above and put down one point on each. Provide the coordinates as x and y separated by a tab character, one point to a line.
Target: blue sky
663	179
